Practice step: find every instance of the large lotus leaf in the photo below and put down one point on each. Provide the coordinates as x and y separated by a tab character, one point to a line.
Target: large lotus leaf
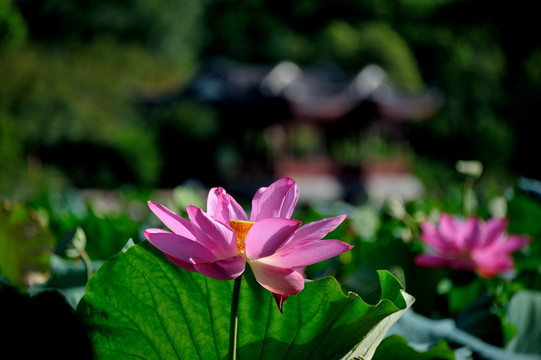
25	245
368	345
140	305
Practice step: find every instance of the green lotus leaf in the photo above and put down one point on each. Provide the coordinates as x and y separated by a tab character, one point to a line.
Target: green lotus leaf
140	305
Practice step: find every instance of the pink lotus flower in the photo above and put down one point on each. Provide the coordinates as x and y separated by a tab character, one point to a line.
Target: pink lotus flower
218	243
471	244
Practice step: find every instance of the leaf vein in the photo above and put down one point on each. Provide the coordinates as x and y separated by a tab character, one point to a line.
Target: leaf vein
179	300
164	328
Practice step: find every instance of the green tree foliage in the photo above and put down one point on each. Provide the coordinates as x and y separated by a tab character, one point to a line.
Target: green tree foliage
306	33
372	42
69	95
483	61
72	71
169	28
13	29
11	150
58	105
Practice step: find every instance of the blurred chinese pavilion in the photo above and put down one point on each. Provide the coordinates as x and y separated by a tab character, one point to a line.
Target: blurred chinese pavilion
339	135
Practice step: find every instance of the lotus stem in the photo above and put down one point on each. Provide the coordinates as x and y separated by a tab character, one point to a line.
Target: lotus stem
88	265
234	322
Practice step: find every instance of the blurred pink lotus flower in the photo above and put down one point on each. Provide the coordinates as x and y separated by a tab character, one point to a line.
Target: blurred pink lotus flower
218	243
470	244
